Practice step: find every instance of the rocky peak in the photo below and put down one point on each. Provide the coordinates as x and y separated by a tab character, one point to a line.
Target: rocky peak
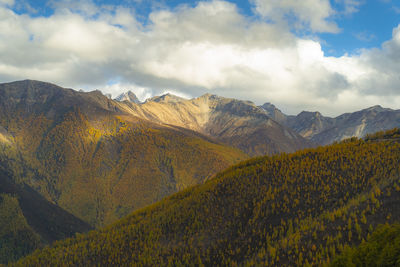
273	112
128	96
166	98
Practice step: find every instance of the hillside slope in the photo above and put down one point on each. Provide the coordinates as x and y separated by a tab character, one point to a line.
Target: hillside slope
28	221
286	210
88	155
381	249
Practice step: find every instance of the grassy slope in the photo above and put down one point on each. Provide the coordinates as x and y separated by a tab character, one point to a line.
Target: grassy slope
295	209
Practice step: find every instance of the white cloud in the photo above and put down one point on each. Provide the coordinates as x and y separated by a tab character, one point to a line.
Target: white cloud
350	6
312	14
190	51
7	2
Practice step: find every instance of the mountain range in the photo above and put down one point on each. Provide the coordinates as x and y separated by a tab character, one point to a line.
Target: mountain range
233	121
92	160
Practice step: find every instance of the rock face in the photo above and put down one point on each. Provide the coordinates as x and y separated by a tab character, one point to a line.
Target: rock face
238	123
128	96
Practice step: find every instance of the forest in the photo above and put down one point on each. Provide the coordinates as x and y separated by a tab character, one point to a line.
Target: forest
309	208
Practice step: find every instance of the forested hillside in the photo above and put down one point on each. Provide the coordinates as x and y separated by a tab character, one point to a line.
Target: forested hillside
381	249
28	221
290	209
83	152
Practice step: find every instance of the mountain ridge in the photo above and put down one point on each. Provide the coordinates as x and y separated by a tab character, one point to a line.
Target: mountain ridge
235	122
324	130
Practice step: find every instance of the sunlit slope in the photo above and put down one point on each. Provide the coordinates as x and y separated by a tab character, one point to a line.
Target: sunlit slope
82	151
285	210
234	122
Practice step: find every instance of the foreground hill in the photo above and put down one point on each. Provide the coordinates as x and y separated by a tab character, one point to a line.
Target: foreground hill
234	122
91	157
286	210
28	221
381	249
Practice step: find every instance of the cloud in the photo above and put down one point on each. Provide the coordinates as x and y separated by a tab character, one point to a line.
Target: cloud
365	36
350	6
7	2
210	47
310	14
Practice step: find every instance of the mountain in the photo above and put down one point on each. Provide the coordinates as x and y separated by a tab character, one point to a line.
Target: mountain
310	124
166	98
359	124
91	157
326	130
237	123
297	209
274	113
128	96
28	221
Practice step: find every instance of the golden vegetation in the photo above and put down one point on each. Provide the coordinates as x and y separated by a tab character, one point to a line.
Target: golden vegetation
381	249
291	209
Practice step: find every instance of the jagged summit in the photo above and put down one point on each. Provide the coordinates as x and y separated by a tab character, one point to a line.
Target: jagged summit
377	108
273	112
210	96
305	114
128	96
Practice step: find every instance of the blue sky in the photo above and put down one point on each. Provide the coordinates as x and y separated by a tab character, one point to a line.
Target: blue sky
334	56
369	27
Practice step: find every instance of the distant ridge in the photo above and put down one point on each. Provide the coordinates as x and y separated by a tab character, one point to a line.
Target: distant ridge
325	130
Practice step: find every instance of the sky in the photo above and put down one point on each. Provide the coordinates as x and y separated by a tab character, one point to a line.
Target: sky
334	56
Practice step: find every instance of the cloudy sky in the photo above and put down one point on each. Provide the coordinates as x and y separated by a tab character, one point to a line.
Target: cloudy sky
333	56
